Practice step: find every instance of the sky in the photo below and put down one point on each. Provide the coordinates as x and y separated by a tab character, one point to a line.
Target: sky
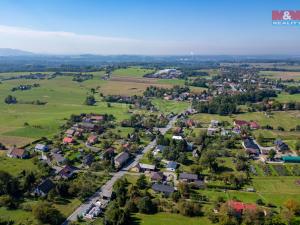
149	27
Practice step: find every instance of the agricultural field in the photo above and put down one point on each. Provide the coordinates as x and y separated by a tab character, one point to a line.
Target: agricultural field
284	97
287	120
15	166
168	218
284	75
168	106
131	72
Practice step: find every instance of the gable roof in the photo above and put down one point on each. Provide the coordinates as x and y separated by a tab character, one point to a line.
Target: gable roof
18	152
188	176
122	157
46	186
147	166
172	165
239	207
68	140
167	189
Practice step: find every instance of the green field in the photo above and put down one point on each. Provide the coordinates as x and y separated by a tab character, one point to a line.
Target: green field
63	96
285	119
284	75
131	72
168	218
167	106
15	166
284	97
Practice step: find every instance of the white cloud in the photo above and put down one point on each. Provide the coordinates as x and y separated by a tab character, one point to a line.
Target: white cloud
60	42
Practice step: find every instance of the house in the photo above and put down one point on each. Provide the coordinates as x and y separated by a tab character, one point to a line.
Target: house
88	160
67	172
93	139
41	148
68	140
108	153
70	132
281	146
18	153
43	188
177	138
136	168
147	167
212	131
89	127
97	118
240	207
172	166
190	123
59	159
240	123
121	159
158	149
254	125
167	190
188	177
214	123
157	176
251	147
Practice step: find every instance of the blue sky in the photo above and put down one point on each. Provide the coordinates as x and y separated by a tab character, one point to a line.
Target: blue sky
147	26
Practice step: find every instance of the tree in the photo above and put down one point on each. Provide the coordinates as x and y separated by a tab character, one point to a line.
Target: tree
146	205
114	215
46	213
188	208
10	99
272	154
90	100
292	206
142	182
209	160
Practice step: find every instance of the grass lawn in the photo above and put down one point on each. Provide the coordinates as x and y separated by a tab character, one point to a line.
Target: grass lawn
284	97
168	218
171	81
15	166
131	72
168	106
19	216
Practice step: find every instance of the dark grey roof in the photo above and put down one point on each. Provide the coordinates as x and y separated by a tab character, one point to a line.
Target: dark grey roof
88	159
46	186
163	188
172	165
188	176
249	143
122	157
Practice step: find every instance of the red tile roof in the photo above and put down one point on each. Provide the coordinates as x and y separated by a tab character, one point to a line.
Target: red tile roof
68	140
239	207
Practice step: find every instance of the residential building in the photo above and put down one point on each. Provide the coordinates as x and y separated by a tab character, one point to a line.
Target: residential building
167	190
44	187
121	159
18	153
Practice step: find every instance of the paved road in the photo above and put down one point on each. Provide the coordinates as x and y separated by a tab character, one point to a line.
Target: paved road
107	188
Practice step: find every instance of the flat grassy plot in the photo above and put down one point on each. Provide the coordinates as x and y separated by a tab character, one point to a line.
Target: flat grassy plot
284	75
167	106
131	72
168	218
15	166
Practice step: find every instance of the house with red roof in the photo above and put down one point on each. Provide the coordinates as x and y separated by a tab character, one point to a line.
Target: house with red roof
242	123
68	140
254	125
92	140
240	207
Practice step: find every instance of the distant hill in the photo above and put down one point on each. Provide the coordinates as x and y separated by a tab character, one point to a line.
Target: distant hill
14	52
